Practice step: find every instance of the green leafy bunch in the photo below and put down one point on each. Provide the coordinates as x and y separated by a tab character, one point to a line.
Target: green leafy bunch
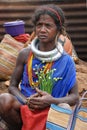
46	80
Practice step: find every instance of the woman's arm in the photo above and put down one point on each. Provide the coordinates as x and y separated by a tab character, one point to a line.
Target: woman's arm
17	75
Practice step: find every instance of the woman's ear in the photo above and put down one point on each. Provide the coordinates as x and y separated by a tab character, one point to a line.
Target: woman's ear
56	38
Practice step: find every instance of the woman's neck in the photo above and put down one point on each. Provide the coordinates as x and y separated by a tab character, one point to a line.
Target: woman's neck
46	46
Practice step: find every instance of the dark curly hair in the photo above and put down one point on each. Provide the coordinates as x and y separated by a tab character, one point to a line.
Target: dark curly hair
55	12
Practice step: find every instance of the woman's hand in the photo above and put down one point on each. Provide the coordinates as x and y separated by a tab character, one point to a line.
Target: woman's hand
40	100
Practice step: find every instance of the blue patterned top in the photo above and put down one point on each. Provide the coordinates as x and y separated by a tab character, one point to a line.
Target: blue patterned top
65	68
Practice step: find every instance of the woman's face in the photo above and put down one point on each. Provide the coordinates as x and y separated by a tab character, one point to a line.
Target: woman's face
46	29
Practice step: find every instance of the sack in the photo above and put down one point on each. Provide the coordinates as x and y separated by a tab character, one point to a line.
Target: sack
64	119
9	49
58	118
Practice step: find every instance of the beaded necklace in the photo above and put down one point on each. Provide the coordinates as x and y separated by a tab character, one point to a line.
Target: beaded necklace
30	70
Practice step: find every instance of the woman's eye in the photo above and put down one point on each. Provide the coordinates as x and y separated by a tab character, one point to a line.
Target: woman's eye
48	25
38	25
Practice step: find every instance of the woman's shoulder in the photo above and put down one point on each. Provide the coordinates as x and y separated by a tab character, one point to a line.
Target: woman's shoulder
67	58
24	51
23	54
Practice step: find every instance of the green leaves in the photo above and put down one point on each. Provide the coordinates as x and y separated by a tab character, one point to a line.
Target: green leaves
45	79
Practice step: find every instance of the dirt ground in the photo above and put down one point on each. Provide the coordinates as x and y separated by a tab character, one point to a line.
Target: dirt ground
81	71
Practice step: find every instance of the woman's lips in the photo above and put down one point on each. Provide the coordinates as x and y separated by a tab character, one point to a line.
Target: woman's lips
42	36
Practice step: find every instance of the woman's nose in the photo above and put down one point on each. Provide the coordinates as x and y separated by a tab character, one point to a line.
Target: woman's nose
43	28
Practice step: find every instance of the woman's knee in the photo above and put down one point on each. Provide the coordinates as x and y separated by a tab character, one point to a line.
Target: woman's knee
6	102
10	109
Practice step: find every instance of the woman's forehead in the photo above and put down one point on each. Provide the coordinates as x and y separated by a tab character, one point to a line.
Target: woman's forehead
46	17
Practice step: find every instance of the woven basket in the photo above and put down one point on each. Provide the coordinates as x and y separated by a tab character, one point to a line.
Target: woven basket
9	49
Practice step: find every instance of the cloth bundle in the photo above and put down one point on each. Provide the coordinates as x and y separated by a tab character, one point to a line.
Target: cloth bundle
22	38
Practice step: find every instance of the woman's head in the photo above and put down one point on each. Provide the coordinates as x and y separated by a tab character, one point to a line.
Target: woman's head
53	11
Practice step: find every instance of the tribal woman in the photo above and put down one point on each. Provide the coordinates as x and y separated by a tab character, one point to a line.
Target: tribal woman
44	74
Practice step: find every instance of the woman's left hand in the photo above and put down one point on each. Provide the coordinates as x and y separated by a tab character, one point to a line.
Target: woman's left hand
40	100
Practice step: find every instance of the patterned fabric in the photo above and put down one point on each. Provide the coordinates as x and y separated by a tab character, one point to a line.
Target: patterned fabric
22	38
65	68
